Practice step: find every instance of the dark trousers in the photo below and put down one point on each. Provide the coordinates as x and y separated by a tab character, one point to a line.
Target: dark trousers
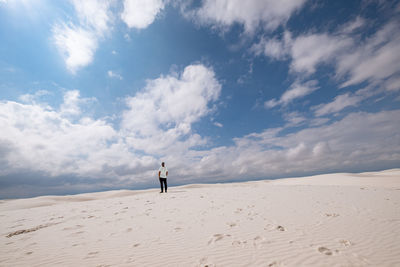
163	181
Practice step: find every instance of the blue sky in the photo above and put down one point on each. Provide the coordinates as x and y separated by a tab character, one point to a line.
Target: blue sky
95	94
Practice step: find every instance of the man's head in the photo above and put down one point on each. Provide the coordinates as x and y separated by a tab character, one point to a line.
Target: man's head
162	164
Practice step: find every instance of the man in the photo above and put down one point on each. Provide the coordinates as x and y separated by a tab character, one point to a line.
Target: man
162	176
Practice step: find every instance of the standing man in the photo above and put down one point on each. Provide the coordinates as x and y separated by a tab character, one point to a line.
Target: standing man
162	175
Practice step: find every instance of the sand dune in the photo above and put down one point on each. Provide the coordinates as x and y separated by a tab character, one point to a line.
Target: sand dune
325	220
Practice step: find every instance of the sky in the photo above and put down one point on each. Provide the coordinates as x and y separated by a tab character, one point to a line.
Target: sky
95	94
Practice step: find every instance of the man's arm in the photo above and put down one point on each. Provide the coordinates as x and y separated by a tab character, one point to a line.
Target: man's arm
167	173
159	173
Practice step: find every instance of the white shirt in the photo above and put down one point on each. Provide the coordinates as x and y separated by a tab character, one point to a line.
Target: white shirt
163	172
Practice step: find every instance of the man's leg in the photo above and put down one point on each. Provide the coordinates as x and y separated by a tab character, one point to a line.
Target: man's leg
161	184
165	184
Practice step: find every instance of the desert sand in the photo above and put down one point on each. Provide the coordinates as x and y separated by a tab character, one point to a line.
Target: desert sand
325	220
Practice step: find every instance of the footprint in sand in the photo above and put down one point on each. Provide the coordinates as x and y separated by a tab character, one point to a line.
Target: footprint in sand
216	238
91	255
238	210
136	245
29	252
238	243
129	230
345	242
280	228
203	262
231	224
271	227
259	241
78	233
331	215
325	251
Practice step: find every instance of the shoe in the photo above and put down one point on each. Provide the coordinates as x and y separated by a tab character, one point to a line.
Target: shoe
161	192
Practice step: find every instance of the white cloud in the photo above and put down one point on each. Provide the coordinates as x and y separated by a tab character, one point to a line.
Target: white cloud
294	118
375	60
339	103
140	14
48	143
78	43
160	117
305	51
72	103
113	74
274	48
45	141
218	124
359	141
308	51
393	83
268	14
94	14
66	141
296	90
352	26
33	98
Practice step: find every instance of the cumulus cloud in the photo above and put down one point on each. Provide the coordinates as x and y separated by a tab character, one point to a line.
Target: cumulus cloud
94	14
250	14
140	14
78	43
47	141
296	90
33	98
72	104
159	119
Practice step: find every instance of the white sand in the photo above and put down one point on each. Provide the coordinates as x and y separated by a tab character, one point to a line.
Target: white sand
326	220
